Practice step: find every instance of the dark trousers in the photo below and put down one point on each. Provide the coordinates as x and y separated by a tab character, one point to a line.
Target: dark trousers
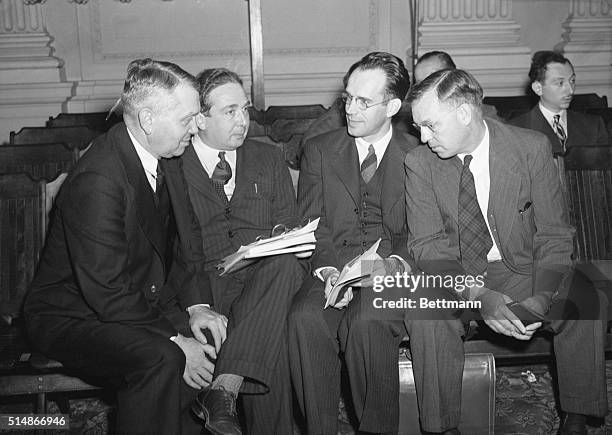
314	358
579	342
370	338
256	301
146	368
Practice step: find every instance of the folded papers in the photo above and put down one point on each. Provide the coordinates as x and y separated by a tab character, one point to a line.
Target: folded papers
354	272
293	241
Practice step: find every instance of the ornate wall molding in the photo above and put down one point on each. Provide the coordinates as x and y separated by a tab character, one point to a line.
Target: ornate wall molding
481	36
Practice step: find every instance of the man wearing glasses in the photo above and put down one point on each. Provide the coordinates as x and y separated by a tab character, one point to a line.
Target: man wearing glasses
240	189
487	196
352	178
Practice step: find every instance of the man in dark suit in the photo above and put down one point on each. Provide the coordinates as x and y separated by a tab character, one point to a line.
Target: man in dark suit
522	249
554	81
240	189
352	179
117	289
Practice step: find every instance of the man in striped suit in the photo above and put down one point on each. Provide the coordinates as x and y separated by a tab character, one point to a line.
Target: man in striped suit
240	189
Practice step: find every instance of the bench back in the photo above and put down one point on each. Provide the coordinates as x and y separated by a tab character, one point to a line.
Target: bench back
41	161
74	137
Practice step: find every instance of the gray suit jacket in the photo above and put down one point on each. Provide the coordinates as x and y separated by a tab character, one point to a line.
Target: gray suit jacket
526	212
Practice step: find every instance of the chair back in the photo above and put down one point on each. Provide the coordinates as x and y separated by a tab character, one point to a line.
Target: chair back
22	235
75	137
41	161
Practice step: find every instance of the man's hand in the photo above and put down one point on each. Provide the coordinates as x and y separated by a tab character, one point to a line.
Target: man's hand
500	319
198	367
330	275
201	317
383	267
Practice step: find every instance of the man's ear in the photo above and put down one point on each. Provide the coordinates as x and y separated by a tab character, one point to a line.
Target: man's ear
537	88
145	119
465	113
200	120
393	106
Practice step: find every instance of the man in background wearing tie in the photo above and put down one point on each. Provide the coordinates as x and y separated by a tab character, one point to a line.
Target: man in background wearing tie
117	290
553	80
352	178
487	195
240	189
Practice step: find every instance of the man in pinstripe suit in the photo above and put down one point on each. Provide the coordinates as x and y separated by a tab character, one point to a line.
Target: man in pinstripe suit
240	189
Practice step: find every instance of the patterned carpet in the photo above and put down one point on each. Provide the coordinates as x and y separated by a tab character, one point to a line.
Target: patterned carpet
525	405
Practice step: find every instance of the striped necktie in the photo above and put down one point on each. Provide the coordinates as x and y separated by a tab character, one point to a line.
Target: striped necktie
474	239
559	130
368	166
221	175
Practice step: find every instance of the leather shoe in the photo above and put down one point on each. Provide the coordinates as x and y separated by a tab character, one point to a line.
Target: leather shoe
217	408
573	424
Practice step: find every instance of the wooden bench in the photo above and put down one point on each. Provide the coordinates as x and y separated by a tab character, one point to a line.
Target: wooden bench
76	137
98	121
40	161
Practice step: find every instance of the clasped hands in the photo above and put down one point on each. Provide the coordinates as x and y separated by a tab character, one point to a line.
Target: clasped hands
381	266
198	351
501	319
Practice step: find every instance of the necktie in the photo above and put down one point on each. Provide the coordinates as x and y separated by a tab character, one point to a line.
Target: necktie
221	175
159	183
368	166
559	130
474	238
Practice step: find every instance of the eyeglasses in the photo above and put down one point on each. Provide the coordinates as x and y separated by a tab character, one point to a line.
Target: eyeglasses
434	127
362	103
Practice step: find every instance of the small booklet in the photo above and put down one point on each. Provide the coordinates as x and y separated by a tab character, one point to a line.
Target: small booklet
297	240
355	271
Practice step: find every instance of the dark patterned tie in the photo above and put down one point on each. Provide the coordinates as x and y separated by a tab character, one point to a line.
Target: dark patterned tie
559	130
368	166
221	175
474	238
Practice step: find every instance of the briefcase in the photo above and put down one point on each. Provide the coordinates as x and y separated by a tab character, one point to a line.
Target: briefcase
477	396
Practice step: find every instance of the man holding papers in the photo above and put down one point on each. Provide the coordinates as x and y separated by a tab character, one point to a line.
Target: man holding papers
240	190
352	178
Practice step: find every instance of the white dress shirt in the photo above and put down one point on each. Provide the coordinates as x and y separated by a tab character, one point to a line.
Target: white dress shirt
209	157
149	162
549	115
380	146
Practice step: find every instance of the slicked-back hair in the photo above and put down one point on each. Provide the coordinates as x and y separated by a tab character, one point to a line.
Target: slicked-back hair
398	80
443	57
453	87
210	79
540	61
147	78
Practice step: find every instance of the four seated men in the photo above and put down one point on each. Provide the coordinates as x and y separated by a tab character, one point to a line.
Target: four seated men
128	286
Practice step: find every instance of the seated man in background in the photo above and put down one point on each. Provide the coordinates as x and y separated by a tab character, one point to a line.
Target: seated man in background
489	197
433	61
123	258
352	179
553	80
240	189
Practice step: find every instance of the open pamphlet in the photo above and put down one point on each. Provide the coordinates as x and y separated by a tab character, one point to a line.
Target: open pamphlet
300	239
355	271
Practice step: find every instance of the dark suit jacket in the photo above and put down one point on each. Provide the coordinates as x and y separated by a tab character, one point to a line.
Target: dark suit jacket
329	188
537	241
104	254
263	198
582	129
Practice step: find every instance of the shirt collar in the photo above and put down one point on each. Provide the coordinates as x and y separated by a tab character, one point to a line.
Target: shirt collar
481	153
549	114
380	146
149	162
209	156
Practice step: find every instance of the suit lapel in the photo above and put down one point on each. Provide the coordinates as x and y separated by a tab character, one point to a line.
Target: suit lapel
348	172
141	191
196	176
243	163
449	172
540	123
392	165
505	183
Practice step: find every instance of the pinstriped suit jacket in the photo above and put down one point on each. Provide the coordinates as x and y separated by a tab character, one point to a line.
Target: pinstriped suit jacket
538	240
582	129
328	187
263	198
